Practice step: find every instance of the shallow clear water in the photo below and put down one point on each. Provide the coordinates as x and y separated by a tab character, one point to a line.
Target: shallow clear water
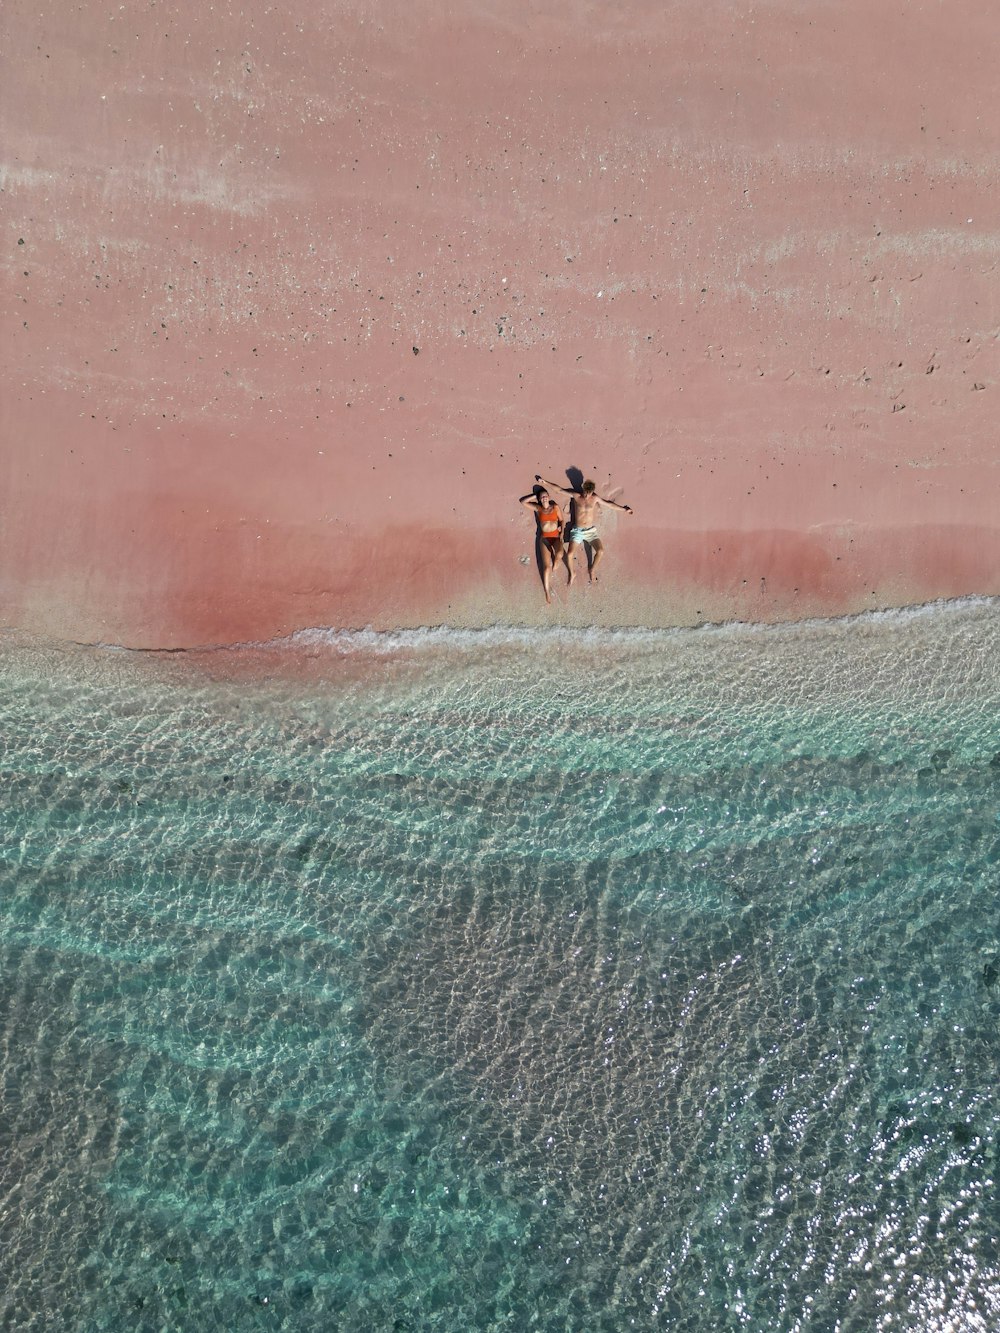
500	981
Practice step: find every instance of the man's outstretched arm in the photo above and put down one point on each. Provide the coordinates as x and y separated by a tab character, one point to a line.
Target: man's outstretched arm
615	505
554	485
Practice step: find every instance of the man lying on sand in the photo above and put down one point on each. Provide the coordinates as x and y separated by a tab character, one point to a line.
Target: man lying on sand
550	532
583	518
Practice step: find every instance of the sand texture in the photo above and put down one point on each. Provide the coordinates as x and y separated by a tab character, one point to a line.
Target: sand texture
297	301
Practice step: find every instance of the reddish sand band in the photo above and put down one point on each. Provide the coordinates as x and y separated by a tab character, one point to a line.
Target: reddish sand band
298	302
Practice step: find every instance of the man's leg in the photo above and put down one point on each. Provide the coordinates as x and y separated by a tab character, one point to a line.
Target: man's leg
597	550
568	555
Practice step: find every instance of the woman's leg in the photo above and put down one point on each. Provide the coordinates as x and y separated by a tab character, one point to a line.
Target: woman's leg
548	564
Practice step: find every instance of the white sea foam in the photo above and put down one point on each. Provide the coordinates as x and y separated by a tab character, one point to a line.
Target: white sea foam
451	638
339	641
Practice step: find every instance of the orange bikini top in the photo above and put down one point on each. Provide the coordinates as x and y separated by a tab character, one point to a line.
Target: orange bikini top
550	521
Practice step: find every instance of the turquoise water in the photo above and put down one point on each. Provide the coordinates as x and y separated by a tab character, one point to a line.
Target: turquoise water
473	982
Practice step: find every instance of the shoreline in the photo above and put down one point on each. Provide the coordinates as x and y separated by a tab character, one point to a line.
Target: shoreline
928	650
316	641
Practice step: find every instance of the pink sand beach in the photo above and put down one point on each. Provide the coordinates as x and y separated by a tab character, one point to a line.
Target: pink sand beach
297	304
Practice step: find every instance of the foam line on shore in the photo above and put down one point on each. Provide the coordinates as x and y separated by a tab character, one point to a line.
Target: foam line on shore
515	636
344	641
